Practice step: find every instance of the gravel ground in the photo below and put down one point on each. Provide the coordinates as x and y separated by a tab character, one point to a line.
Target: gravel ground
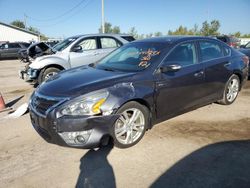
208	147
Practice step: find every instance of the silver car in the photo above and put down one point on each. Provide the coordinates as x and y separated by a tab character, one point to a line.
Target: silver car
73	52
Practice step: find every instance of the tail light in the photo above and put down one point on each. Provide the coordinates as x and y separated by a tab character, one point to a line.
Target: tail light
245	60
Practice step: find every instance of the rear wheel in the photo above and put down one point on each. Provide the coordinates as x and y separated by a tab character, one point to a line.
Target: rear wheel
231	90
47	73
130	127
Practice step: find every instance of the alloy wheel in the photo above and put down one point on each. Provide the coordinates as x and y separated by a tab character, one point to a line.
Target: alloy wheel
232	90
50	75
129	126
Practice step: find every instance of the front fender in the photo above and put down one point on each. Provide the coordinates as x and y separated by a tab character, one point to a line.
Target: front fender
122	93
40	63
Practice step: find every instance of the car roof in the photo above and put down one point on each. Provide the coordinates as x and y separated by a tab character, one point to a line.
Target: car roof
174	39
99	34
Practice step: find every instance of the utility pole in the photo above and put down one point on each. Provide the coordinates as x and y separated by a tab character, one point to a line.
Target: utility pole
103	22
25	20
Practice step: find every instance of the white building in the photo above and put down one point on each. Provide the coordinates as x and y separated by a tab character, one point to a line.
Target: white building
15	34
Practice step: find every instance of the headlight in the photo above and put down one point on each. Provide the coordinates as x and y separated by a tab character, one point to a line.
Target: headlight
89	104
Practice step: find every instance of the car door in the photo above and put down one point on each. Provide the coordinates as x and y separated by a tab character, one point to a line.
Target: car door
3	50
84	52
179	89
12	50
216	61
107	45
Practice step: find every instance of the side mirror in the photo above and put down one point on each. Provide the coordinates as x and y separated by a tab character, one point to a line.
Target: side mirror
170	68
242	46
77	48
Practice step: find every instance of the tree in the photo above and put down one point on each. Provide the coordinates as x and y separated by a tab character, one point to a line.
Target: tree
237	34
195	30
108	28
33	29
18	23
116	30
181	31
211	28
133	32
158	34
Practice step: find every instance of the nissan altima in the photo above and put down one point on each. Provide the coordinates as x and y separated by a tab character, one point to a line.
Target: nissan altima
135	87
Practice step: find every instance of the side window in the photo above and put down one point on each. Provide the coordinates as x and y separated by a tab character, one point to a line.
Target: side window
88	44
227	51
107	42
184	55
210	50
14	45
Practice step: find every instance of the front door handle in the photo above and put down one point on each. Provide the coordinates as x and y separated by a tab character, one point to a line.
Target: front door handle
199	74
227	64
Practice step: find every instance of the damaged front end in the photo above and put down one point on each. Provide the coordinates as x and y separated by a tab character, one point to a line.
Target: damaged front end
28	56
81	122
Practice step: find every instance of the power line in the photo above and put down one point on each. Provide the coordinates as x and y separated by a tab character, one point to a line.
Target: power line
65	19
57	17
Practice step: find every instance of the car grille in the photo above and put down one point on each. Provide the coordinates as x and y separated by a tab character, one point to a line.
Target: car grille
42	103
42	132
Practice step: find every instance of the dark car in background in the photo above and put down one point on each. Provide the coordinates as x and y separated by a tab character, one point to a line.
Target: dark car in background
11	49
245	49
230	40
135	87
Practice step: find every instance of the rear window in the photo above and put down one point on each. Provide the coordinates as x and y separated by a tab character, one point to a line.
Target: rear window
128	38
210	50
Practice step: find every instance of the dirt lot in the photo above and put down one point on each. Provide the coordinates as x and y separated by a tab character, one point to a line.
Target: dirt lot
209	147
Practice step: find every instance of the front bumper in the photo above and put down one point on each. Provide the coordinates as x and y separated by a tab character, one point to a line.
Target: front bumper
55	131
29	75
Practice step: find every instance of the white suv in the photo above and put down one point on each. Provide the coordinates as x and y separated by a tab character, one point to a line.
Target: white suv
73	52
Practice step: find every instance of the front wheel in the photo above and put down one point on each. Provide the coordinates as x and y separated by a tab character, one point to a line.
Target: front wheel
231	90
130	127
47	73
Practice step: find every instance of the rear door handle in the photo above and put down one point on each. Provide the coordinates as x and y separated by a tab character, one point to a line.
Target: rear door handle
199	74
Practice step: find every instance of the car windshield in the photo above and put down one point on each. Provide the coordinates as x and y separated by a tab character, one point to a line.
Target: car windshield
132	57
64	44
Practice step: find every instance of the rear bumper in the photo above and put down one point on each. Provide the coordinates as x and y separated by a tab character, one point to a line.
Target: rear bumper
65	131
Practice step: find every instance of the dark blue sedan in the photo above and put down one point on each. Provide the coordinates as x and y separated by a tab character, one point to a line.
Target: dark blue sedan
135	87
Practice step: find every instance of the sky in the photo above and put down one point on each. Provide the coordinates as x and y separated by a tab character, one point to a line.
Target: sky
64	18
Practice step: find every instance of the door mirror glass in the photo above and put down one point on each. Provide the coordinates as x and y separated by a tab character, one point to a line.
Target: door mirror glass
170	68
77	48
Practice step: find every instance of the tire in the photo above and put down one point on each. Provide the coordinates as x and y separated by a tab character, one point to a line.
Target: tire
127	132
231	90
47	73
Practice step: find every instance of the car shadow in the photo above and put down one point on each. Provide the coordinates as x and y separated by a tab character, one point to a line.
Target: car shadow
95	170
224	164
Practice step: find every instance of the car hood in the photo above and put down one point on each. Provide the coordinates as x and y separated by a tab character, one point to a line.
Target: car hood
82	80
39	49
